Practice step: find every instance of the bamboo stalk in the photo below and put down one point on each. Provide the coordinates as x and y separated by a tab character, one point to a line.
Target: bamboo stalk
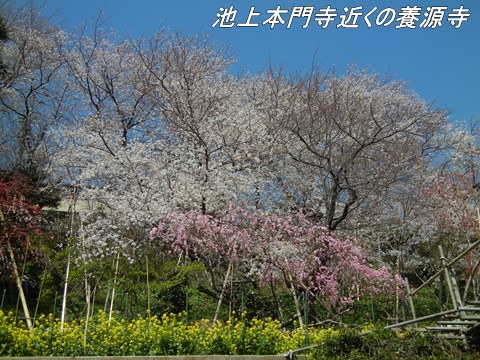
87	298
225	282
295	301
21	277
113	289
453	262
148	289
39	293
18	281
428	317
410	300
65	287
470	281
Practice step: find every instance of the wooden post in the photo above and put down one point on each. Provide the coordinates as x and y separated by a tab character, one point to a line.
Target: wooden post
65	287
222	293
451	282
295	301
410	301
18	280
88	300
3	298
148	288
17	277
471	282
113	290
307	339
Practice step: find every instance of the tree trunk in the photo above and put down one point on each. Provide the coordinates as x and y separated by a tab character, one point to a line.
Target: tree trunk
277	301
94	293
107	297
18	280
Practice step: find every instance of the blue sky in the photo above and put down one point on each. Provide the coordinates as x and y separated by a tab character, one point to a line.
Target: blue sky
440	64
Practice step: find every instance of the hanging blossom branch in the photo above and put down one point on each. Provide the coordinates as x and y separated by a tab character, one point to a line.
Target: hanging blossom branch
273	248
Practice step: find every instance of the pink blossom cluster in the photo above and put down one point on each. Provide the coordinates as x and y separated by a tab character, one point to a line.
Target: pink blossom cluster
289	250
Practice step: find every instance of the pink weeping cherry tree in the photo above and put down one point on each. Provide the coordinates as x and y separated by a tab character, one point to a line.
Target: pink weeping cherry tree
291	251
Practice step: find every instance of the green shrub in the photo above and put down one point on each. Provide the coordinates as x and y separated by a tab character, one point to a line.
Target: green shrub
386	344
6	337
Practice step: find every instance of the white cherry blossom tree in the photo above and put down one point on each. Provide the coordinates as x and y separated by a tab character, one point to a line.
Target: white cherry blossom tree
349	138
34	96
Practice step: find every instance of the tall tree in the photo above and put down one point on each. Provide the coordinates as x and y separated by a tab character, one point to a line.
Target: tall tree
33	94
218	136
262	247
349	138
163	126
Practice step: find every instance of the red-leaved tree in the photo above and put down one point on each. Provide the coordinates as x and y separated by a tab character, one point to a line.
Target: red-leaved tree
20	225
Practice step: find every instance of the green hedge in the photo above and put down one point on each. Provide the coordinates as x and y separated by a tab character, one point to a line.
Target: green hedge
389	345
